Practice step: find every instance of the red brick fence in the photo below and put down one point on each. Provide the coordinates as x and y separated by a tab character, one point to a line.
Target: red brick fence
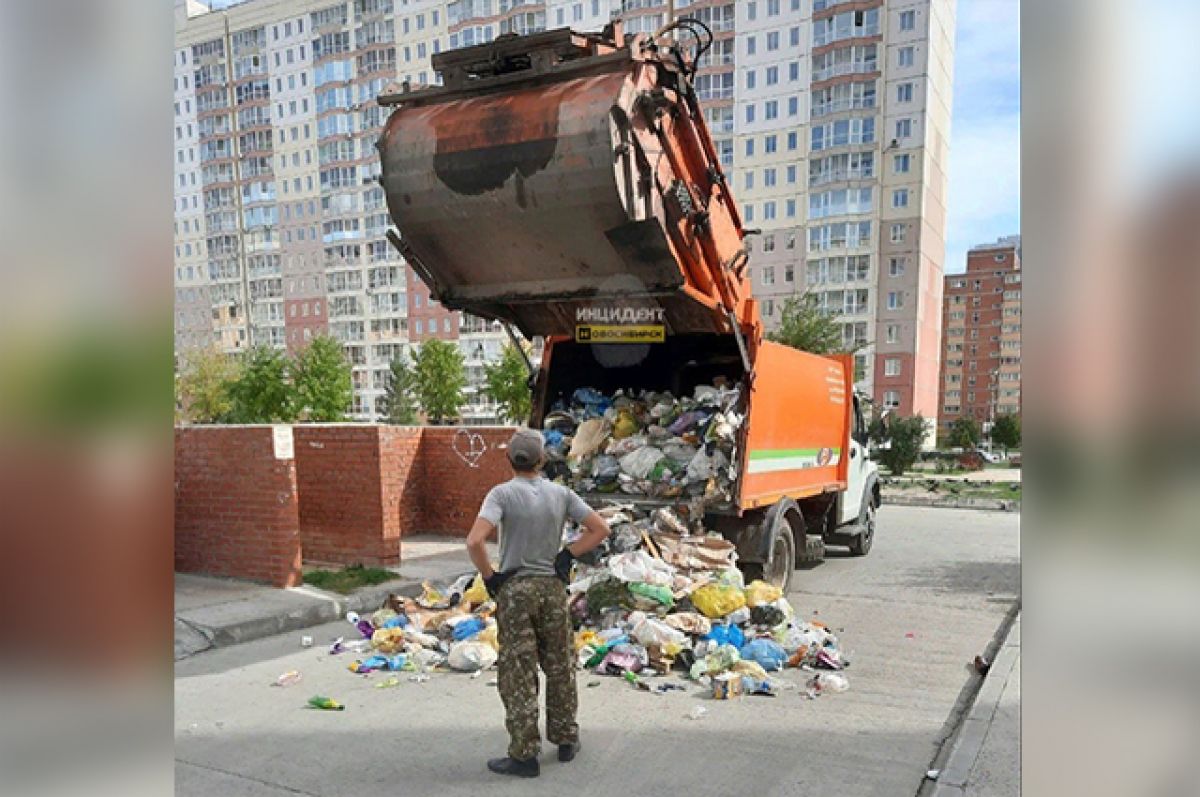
255	501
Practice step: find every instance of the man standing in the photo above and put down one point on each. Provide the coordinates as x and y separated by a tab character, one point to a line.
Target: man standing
531	601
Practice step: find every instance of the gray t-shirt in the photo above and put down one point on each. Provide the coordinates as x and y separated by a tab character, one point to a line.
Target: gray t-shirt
530	514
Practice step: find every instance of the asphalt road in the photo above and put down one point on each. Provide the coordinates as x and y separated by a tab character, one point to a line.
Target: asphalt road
930	596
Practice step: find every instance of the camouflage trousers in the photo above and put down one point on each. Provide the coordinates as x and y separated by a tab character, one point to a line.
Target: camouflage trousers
535	628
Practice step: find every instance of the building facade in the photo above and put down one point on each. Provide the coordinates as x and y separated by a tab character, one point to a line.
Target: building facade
981	358
830	117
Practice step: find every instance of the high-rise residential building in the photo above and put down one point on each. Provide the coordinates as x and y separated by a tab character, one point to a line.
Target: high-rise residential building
981	359
832	119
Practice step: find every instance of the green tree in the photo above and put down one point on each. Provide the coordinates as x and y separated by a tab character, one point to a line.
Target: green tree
507	383
323	386
964	433
399	401
262	392
804	326
903	437
1006	431
202	389
441	375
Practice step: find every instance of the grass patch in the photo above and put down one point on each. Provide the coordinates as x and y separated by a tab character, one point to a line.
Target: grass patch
348	579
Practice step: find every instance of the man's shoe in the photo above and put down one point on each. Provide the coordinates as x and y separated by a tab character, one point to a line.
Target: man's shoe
512	766
566	752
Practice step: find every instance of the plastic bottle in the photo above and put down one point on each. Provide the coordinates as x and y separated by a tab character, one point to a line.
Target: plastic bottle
325	703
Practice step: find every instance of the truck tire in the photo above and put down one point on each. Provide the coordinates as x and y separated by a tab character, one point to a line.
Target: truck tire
778	570
861	544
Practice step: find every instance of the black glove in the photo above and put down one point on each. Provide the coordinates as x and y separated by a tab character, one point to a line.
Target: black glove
494	582
562	564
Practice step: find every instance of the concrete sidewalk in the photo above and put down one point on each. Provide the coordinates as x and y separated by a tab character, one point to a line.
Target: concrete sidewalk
216	612
985	759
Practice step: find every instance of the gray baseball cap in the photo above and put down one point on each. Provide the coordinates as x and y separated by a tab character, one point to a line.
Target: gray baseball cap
525	449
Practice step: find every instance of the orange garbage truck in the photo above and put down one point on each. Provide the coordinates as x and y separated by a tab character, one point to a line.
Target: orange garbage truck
562	178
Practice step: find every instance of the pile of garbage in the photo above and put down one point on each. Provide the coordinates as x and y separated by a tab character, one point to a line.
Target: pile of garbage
647	443
654	599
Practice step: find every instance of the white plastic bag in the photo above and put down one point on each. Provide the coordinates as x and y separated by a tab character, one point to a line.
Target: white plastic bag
640	566
469	656
639	463
649	631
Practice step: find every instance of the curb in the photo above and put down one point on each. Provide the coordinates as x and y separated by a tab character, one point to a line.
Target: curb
987	504
970	736
191	636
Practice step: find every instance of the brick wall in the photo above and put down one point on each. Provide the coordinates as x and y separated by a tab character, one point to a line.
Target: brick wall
354	491
451	487
236	507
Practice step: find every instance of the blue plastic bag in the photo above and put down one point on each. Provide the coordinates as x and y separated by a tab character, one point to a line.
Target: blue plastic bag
399	621
766	651
553	437
468	628
726	634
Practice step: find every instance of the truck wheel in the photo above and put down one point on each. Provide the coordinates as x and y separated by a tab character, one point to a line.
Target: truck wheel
778	571
861	544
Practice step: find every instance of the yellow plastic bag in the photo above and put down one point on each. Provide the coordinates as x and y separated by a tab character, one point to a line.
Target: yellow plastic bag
759	592
477	592
753	668
586	637
388	640
717	601
625	425
431	598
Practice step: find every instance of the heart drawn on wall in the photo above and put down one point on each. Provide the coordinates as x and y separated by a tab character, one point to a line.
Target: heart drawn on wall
470	447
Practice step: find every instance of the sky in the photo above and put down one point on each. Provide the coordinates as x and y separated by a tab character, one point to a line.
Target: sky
985	129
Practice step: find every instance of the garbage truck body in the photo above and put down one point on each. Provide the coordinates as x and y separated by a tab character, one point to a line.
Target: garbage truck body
559	178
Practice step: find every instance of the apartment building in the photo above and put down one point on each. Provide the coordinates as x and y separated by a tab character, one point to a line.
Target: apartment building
981	359
830	117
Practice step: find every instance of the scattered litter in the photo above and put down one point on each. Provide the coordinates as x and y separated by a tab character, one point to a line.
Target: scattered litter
288	678
697	712
325	703
306	642
661	595
910	635
389	683
933	774
982	665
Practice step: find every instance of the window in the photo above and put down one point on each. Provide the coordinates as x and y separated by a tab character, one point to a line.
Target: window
770	143
900	164
899	233
904	56
750	79
904	92
749	180
891	399
896	266
749	113
772	109
791	214
794	37
794	71
751	10
908	20
903	128
893	333
772	8
895	300
769	210
793	106
891	366
900	198
750	43
772	41
772	75
793	140
791	174
749	148
749	213
769	178
768	275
